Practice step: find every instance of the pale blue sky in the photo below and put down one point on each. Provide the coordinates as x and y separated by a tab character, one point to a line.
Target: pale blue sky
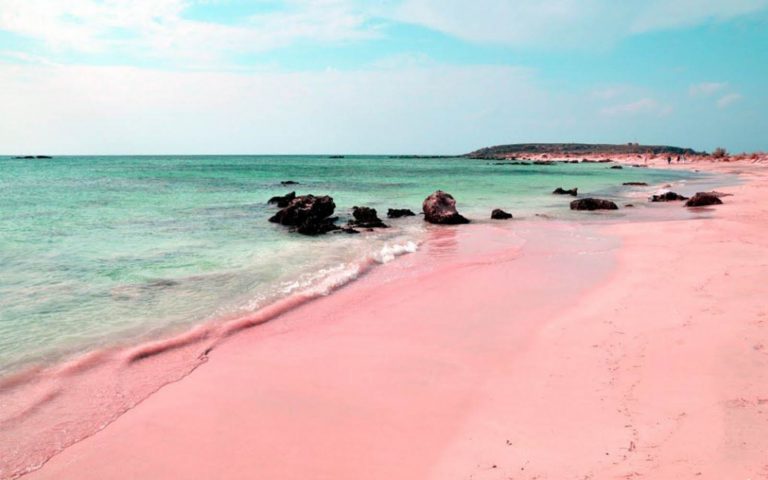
388	76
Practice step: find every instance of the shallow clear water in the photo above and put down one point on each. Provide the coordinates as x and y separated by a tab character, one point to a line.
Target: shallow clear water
98	250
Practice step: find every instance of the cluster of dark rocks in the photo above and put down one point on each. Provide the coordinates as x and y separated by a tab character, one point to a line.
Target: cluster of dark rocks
308	215
313	215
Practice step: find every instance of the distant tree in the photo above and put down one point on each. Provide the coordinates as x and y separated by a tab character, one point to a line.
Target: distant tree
720	153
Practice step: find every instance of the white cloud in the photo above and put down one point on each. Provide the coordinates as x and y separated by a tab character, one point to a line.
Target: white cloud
158	27
564	23
643	106
728	100
706	89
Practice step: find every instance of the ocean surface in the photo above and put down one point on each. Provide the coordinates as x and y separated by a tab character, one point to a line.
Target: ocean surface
96	251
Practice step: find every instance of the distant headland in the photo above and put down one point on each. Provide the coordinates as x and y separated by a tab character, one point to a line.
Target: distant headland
568	149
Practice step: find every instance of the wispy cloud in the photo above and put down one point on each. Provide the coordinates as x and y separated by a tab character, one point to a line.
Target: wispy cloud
643	106
162	28
565	23
159	28
728	100
706	88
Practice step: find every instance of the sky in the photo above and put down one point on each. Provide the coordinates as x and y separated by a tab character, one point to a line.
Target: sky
380	76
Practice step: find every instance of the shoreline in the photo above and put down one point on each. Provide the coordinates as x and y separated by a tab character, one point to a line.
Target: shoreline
263	332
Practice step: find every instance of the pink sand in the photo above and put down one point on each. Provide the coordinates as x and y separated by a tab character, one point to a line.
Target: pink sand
571	358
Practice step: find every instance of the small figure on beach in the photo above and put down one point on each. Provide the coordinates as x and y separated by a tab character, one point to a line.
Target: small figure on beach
669	160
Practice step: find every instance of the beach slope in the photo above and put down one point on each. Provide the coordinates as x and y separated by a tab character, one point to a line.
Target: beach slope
614	351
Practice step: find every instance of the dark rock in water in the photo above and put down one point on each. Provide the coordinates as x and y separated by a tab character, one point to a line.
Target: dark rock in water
668	197
561	191
440	208
703	199
593	204
366	217
628	205
635	184
543	162
617	167
308	215
348	230
282	201
639	166
318	227
288	182
604	160
399	212
499	214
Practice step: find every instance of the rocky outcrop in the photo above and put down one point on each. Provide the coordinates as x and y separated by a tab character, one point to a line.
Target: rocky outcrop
704	199
308	215
616	167
635	184
668	197
282	201
399	212
593	204
499	214
366	217
440	208
561	191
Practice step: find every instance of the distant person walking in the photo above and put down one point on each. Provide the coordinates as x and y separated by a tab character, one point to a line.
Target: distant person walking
669	160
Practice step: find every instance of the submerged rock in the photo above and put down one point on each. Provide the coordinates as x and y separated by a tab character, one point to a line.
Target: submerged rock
440	208
668	197
366	217
288	182
617	167
561	191
593	204
703	199
399	212
635	184
282	201
499	214
308	215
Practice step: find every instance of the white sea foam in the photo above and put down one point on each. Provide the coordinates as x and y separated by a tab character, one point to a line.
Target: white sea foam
390	252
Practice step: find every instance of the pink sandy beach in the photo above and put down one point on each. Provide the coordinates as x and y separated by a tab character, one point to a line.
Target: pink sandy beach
618	350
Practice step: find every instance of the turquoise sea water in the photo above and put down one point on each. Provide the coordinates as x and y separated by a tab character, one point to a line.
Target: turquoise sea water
98	250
